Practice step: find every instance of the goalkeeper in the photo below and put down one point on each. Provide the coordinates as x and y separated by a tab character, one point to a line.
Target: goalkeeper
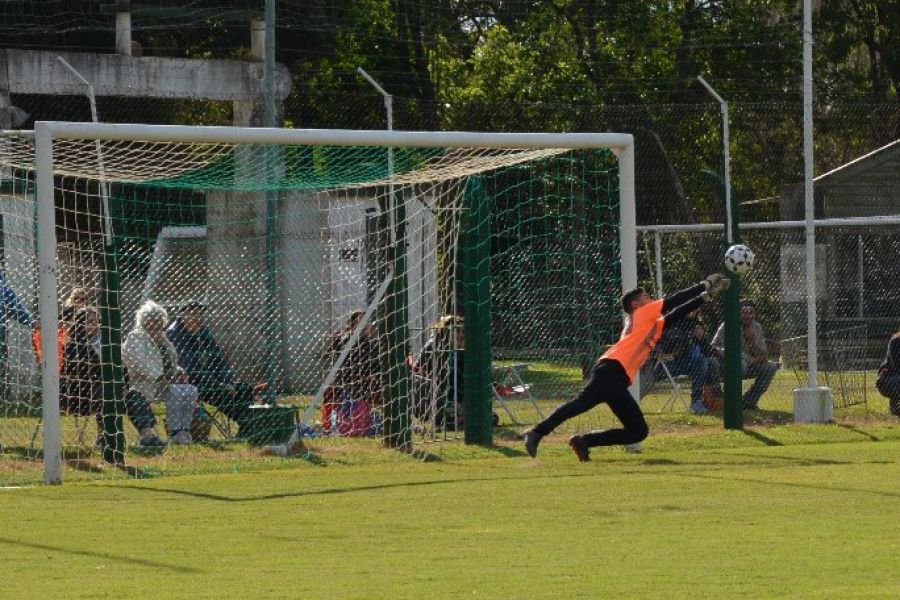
645	321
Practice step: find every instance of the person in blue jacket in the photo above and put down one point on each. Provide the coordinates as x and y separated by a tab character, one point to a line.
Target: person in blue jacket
206	364
12	309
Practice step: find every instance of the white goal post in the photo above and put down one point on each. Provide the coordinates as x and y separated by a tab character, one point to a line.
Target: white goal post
47	133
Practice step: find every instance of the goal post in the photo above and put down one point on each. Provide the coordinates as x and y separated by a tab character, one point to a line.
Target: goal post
434	179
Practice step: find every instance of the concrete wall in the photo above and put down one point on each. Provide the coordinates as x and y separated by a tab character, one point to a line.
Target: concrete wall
40	72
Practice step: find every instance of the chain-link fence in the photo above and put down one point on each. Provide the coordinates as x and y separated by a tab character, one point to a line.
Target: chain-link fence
197	63
856	296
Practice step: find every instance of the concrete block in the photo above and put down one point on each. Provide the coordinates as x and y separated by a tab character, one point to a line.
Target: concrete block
813	405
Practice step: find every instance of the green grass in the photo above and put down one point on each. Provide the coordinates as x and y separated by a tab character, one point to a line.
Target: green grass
777	511
552	383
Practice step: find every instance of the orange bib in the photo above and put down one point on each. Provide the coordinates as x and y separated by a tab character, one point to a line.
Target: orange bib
638	338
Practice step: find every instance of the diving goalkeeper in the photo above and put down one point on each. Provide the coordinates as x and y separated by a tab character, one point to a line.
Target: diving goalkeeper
645	321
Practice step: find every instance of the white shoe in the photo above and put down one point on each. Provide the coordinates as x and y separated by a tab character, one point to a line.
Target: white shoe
634	448
183	438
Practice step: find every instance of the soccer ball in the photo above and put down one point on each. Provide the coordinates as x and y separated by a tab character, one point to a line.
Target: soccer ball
739	258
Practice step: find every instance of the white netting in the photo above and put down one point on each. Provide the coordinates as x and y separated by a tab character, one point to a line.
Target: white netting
319	290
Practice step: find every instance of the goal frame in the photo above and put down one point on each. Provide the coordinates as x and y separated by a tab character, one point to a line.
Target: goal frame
46	132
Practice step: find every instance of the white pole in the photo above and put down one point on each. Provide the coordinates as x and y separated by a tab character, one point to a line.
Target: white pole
123	132
628	241
813	403
657	248
861	273
389	108
809	199
104	191
47	307
729	236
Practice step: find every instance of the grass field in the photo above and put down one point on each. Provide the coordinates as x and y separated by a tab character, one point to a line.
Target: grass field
779	511
21	441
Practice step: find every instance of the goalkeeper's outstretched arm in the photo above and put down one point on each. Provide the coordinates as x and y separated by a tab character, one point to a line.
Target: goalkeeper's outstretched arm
672	301
681	303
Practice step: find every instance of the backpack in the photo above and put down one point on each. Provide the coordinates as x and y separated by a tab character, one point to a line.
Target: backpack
343	415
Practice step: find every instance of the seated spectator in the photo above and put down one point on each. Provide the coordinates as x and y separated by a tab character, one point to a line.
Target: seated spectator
152	365
439	369
888	380
755	361
356	390
77	298
207	366
692	355
81	384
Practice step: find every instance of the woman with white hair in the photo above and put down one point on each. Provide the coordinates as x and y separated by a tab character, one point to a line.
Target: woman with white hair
152	365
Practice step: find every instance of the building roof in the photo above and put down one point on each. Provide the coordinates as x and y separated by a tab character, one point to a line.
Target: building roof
878	168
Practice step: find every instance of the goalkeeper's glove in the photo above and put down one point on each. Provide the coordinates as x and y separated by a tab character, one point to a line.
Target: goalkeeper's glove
712	280
719	286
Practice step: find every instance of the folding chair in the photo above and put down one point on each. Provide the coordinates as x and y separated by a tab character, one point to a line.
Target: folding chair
675	394
509	384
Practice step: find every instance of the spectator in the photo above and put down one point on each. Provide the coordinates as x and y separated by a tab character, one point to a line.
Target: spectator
692	355
440	371
356	388
81	384
152	365
12	308
888	381
76	299
755	361
207	366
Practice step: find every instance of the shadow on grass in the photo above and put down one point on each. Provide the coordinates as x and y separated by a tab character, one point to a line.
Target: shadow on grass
762	438
795	460
335	491
656	462
789	484
103	555
859	431
506	451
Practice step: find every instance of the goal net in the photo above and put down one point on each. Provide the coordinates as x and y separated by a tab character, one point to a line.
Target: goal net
217	292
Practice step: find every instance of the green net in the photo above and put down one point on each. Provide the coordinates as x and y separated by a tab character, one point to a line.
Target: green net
217	301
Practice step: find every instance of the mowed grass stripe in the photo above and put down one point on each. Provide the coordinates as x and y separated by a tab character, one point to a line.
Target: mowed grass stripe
810	521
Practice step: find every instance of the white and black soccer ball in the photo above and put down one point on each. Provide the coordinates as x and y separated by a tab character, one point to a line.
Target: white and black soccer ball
739	259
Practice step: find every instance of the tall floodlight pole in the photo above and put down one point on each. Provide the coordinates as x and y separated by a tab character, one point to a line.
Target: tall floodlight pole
269	66
726	153
104	192
389	109
808	197
394	323
270	119
733	415
811	404
110	315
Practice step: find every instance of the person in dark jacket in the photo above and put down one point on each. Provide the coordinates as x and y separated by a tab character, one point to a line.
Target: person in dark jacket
206	364
81	383
888	380
692	355
438	401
